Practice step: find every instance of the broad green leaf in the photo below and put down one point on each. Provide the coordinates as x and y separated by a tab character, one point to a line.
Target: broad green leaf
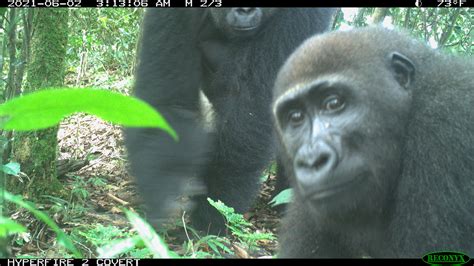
8	227
283	197
46	108
11	168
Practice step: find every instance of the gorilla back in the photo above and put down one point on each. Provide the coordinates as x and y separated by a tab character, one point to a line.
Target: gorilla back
377	131
232	56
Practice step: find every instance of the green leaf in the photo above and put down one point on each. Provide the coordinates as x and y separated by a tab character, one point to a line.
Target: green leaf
213	247
283	197
117	247
8	227
46	108
11	168
222	246
61	236
215	242
156	245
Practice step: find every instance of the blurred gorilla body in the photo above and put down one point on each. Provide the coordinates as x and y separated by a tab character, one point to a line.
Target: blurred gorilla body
230	56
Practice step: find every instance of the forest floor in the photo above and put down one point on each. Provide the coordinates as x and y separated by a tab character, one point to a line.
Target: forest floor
99	190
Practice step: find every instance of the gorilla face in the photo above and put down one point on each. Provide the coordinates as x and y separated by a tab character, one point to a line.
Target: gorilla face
240	21
343	151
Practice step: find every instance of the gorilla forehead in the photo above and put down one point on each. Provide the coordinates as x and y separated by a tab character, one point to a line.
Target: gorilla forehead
328	53
294	91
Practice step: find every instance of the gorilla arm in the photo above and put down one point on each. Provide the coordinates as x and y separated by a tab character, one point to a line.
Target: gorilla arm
168	77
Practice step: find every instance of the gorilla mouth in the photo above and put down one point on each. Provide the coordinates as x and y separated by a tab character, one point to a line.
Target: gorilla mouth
337	189
245	28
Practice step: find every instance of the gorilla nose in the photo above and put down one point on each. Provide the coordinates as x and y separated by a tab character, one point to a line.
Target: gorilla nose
244	18
247	16
313	163
245	11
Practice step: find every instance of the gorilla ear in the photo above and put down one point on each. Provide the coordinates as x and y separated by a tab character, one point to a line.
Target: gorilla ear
403	69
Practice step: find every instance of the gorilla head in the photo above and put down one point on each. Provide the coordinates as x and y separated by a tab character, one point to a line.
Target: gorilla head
376	133
335	129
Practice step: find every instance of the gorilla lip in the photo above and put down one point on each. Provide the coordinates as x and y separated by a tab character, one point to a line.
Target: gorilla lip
245	28
329	191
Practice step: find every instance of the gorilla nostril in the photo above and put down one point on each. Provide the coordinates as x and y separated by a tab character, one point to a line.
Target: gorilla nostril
301	165
321	161
314	164
245	10
316	160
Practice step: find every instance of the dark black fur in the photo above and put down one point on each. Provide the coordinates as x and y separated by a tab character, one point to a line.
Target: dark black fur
390	122
185	50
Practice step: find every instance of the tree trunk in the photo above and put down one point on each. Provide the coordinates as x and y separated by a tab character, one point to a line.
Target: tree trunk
379	15
36	150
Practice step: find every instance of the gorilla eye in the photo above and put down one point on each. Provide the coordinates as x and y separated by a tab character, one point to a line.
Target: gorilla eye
295	117
333	103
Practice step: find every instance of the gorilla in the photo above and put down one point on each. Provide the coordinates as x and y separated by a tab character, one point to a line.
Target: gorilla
377	134
210	72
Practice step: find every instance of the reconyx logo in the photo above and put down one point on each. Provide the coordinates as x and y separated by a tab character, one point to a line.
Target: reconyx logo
445	258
